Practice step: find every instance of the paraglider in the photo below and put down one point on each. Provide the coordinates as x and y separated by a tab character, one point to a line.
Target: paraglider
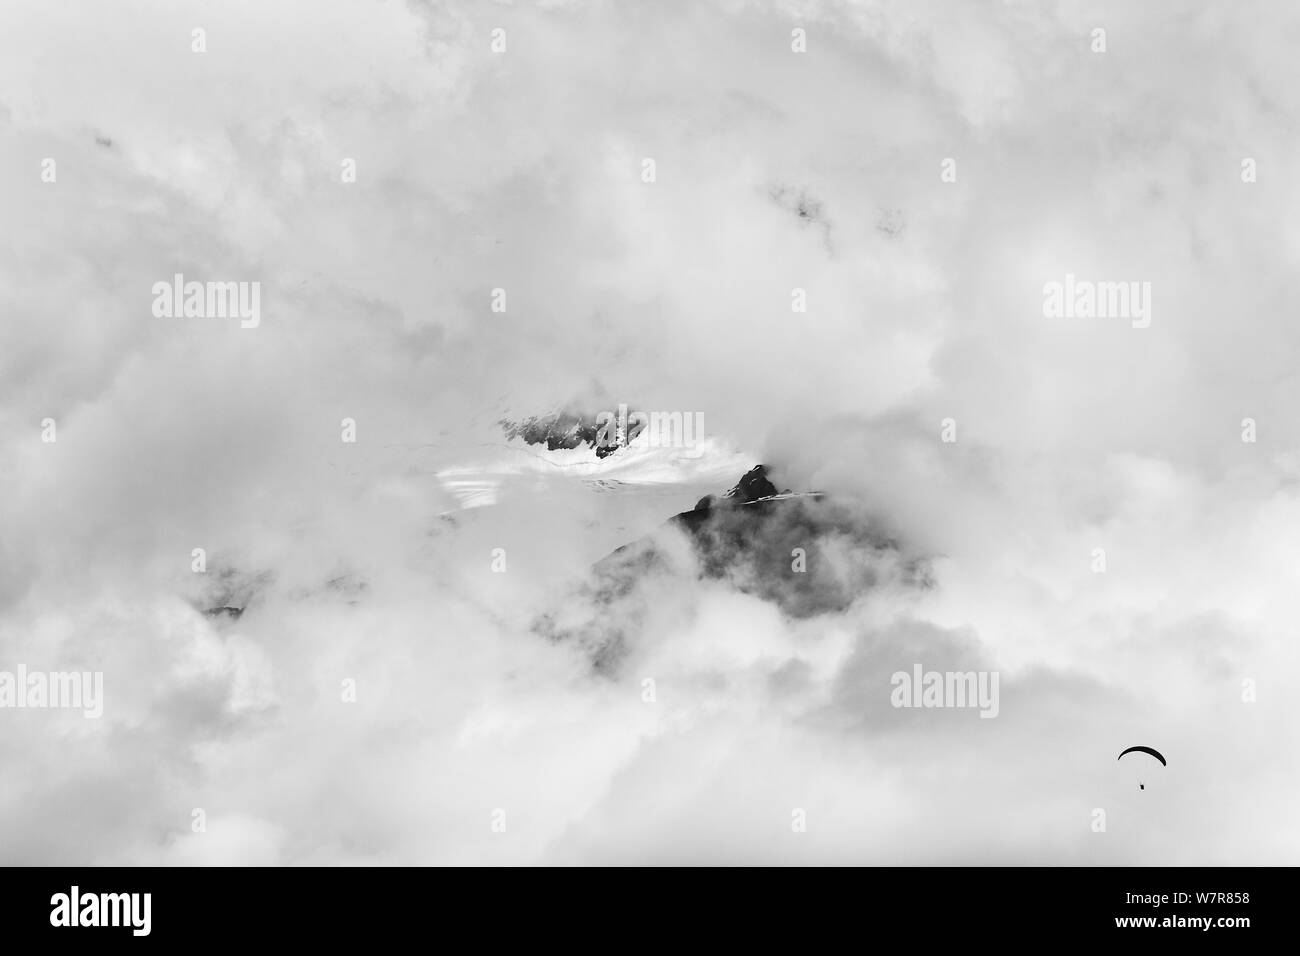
1144	750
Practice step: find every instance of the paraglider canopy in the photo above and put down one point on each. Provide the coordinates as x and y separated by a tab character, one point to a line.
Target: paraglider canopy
1144	750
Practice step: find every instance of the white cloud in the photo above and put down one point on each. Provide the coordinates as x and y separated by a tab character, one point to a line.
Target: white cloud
522	171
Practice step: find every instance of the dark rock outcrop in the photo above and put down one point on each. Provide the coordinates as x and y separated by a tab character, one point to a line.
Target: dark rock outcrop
566	429
752	486
231	612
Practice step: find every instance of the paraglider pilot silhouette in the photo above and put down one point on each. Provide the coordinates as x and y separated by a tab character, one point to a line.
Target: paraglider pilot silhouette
1144	750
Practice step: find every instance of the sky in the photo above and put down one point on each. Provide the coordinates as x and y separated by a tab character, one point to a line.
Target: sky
472	739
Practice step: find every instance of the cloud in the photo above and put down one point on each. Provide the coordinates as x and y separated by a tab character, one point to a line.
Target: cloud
523	171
